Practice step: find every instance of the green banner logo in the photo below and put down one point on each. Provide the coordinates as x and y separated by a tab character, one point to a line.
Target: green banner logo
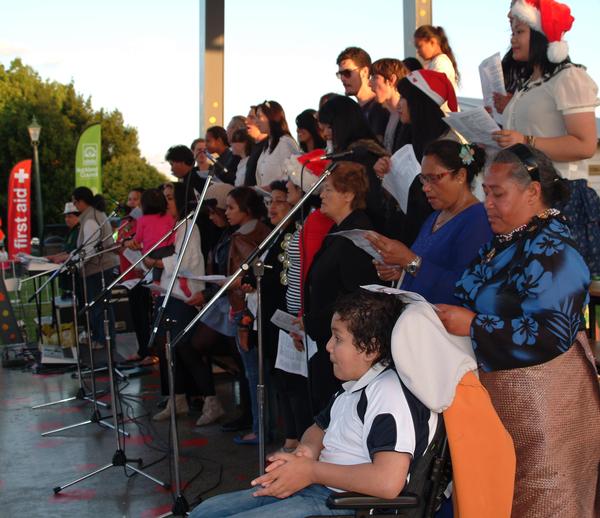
88	159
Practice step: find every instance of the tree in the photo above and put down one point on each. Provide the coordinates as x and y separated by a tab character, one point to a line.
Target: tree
63	114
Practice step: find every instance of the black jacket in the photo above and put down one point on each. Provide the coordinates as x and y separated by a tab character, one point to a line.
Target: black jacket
226	166
338	267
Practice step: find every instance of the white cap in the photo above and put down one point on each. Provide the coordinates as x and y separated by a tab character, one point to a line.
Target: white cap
70	208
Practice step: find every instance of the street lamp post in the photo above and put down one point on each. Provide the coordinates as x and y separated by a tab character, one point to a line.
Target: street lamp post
34	134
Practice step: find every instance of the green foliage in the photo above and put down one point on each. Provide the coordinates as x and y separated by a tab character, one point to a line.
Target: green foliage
63	115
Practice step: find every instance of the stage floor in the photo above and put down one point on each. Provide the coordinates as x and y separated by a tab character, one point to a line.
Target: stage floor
32	465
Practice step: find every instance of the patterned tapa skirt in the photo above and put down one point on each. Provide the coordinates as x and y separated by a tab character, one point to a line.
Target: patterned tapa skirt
552	412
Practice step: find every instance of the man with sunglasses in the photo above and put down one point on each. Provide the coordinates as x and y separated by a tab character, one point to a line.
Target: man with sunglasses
354	66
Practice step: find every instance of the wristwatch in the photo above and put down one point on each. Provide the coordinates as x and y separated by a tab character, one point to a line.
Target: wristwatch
413	266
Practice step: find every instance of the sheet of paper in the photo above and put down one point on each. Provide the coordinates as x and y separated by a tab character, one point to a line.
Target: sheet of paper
474	125
359	239
405	167
156	288
286	322
133	256
492	80
290	359
217	279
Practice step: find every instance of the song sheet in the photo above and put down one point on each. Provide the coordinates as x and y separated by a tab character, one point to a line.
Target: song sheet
290	359
492	80
475	125
405	167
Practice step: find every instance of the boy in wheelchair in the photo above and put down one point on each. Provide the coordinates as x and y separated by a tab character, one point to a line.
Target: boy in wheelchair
364	441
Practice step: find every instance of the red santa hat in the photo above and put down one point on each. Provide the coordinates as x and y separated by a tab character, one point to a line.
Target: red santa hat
313	168
549	17
436	85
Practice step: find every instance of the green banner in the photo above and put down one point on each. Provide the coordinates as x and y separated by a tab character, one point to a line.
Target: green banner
88	159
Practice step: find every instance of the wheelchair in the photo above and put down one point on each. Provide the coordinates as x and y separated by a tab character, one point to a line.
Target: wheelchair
429	476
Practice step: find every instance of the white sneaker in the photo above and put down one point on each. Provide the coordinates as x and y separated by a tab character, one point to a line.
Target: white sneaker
181	407
211	411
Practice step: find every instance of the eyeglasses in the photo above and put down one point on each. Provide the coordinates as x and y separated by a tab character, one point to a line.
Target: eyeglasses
432	178
346	73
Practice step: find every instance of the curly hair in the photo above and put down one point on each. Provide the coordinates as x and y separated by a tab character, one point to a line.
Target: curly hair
370	318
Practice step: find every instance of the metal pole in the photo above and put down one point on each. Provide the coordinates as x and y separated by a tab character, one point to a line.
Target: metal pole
38	195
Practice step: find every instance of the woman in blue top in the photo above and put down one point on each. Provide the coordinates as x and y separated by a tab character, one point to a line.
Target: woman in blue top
451	236
523	299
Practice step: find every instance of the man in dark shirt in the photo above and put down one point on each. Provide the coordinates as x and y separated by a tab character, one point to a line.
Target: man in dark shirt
218	143
353	71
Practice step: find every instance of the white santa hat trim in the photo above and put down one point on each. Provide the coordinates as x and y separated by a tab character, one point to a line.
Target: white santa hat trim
527	13
558	51
421	83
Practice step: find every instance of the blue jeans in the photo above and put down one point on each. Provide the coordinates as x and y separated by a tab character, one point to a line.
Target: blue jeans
250	362
308	501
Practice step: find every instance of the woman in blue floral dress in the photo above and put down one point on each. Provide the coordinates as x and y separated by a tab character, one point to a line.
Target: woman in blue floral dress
523	301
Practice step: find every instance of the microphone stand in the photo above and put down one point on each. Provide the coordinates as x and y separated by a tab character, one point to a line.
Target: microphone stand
119	458
95	417
78	254
255	258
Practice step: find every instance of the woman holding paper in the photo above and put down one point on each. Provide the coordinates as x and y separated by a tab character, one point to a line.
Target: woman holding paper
176	309
338	267
553	111
451	236
422	93
522	301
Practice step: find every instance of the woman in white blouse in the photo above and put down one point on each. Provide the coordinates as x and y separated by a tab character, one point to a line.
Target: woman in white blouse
553	111
270	119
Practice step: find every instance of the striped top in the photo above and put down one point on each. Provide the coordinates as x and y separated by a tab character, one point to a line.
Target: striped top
293	293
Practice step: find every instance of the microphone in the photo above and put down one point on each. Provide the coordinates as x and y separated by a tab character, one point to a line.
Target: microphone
213	159
119	206
357	152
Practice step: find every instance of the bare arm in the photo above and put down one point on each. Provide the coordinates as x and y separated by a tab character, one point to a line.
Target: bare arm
578	144
384	477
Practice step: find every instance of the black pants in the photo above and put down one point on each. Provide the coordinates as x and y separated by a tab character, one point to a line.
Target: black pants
323	384
140	304
294	403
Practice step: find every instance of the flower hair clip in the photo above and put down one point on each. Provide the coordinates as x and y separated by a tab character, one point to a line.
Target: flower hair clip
467	154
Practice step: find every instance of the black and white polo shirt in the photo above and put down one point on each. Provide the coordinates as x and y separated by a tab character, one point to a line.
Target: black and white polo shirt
375	413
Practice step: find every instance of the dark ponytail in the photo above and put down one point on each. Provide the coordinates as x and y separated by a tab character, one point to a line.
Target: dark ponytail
428	32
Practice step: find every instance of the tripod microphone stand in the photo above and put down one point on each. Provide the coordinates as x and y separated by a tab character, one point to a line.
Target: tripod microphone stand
180	504
119	458
95	416
70	264
81	393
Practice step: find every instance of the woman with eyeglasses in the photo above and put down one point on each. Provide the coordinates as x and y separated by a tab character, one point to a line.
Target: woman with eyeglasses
338	267
451	236
422	94
522	306
270	120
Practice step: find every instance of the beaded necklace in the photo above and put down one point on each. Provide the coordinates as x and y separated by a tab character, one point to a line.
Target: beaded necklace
503	239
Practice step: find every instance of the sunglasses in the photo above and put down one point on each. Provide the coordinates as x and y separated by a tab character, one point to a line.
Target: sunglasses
527	159
346	73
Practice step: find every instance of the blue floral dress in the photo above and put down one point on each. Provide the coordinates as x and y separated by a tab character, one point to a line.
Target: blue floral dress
529	293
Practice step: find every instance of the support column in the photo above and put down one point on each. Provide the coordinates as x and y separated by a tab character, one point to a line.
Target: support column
416	13
211	55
